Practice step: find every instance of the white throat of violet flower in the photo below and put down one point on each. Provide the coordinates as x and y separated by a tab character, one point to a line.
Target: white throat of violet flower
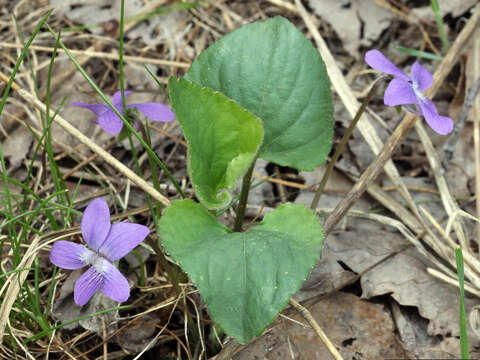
417	92
96	260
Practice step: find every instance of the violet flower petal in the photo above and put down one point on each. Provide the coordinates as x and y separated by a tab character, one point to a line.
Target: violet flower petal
378	61
421	76
440	124
115	285
117	98
110	122
96	223
97	109
69	255
123	238
399	92
87	285
154	111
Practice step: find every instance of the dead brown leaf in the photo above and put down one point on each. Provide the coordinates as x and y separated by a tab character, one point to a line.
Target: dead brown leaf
358	328
403	276
356	22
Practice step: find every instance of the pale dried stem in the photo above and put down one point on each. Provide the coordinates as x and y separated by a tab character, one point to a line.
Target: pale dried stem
318	330
452	281
476	130
448	202
101	55
15	282
285	5
470	261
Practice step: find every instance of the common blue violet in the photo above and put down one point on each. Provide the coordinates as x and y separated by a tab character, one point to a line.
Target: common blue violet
405	90
111	123
108	243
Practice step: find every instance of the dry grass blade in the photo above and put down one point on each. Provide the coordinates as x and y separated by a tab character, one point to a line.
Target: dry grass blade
103	55
476	129
318	330
14	283
449	203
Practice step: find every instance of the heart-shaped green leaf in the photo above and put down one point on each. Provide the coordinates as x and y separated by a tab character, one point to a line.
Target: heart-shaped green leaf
244	278
222	138
271	69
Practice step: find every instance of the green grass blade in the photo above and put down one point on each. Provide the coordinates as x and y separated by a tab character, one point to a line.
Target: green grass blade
463	318
419	53
47	332
154	77
440	25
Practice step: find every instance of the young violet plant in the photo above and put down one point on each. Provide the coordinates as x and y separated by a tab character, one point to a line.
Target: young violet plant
261	91
111	123
108	243
405	90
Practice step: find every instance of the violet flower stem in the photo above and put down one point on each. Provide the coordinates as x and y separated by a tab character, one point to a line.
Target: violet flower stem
344	141
120	58
242	204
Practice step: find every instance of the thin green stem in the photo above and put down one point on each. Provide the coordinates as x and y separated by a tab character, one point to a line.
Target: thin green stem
343	142
154	77
463	318
440	25
120	57
242	204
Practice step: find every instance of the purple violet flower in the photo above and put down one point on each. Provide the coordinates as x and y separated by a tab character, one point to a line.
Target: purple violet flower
111	123
109	243
404	90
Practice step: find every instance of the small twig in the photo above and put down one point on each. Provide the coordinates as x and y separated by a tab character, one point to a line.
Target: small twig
313	323
281	188
105	342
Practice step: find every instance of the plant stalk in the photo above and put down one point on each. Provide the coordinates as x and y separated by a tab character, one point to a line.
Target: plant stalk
242	204
344	141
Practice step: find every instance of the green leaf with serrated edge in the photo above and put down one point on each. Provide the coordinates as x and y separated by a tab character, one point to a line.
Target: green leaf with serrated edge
247	278
271	69
223	139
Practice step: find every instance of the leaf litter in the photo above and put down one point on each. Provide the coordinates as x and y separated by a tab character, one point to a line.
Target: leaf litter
388	295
